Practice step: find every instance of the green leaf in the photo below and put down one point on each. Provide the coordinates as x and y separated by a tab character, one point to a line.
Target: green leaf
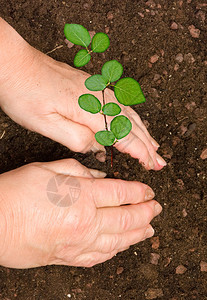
100	42
89	103
82	58
112	70
96	83
111	109
105	138
120	126
128	92
77	34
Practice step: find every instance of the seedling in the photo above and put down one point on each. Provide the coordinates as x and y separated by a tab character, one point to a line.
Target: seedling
126	90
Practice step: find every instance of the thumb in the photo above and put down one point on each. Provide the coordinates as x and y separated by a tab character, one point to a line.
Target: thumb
75	136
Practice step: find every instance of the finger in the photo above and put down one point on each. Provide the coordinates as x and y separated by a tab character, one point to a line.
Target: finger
136	148
73	168
158	161
73	135
132	115
139	122
106	243
127	217
115	192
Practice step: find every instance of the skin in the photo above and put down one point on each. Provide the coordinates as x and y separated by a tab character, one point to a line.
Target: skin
38	232
41	94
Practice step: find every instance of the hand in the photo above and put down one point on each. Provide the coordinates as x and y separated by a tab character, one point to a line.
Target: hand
63	213
42	95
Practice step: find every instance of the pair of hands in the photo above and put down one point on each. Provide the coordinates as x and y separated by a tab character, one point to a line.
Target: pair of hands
39	227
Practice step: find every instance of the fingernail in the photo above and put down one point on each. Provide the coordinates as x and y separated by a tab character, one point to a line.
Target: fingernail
158	209
149	194
151	163
154	143
161	161
97	173
149	232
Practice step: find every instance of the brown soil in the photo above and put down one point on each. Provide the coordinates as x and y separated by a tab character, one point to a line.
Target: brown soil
175	113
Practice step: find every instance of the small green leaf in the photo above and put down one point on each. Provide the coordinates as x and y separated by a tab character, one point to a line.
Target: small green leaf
89	103
128	92
77	34
82	58
100	42
105	138
112	70
111	109
120	126
96	83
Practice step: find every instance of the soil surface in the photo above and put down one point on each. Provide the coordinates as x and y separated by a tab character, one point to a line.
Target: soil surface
161	43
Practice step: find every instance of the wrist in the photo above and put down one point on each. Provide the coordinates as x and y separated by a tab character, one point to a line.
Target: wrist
15	54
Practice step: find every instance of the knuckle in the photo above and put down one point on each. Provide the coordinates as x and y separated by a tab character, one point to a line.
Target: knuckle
125	220
121	192
115	242
149	212
108	244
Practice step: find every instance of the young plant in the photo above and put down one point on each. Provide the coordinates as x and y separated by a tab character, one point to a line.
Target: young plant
126	90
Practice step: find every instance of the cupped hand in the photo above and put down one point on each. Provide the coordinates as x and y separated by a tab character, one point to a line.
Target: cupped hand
63	213
42	95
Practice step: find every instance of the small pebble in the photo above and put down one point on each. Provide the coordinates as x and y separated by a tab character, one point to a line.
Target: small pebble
195	33
201	15
154	258
92	33
189	58
119	270
162	52
204	154
180	269
116	174
154	58
155	242
203	266
151	3
184	212
179	58
154	93
176	67
153	293
180	183
201	5
68	43
174	26
141	14
190	106
146	123
156	77
110	16
106	29
191	128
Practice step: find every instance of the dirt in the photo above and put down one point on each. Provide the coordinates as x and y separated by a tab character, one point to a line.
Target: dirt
162	45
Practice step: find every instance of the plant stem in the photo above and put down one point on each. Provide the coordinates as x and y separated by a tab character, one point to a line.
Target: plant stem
111	156
106	125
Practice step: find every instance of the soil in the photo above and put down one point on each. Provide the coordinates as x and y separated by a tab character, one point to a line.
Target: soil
146	37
